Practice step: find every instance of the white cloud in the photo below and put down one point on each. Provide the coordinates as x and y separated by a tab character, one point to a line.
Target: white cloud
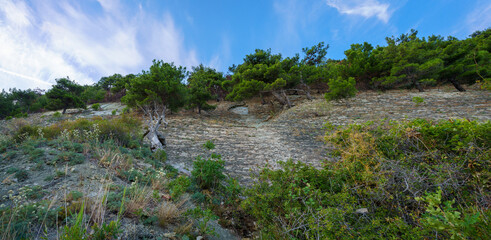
166	42
16	14
365	8
45	40
480	18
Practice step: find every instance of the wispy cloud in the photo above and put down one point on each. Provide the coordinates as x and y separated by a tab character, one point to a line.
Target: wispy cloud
48	39
480	18
365	8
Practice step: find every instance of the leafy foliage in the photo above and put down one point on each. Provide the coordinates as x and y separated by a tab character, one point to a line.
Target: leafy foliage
261	71
207	173
341	88
65	94
204	84
163	83
374	190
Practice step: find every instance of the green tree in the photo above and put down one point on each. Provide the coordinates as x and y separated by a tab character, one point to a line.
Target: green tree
262	71
25	99
107	83
6	104
93	93
315	55
64	94
409	61
204	84
360	63
154	92
162	84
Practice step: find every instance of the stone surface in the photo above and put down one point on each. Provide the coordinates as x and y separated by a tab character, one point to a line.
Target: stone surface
250	142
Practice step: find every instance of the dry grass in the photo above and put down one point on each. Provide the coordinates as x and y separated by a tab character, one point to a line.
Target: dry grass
113	159
14	125
159	182
139	199
185	228
97	207
168	212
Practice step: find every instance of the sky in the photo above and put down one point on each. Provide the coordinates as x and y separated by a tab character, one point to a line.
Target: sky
42	40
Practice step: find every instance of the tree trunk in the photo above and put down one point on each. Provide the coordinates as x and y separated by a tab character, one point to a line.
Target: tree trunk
155	117
279	97
456	85
64	111
418	85
286	99
307	91
155	142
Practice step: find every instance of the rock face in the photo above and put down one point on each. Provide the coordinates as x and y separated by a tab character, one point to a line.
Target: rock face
240	110
249	142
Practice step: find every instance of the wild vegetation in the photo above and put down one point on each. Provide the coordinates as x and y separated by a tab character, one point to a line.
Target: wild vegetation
407	61
88	178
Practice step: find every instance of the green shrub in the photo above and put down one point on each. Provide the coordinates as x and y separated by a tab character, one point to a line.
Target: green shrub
124	131
20	174
418	100
207	173
203	217
160	155
132	175
25	132
141	153
71	158
341	88
19	221
36	155
126	110
232	191
34	192
374	189
75	195
209	145
96	106
113	112
57	115
442	217
178	186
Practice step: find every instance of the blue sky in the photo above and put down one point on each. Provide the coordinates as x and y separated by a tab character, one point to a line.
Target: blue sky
41	40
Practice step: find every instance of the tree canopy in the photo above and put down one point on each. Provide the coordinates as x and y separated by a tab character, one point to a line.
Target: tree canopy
64	94
204	84
162	84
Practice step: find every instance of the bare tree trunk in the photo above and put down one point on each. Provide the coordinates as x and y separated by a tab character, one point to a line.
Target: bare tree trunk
282	98
155	117
278	97
418	85
286	98
307	91
456	85
307	88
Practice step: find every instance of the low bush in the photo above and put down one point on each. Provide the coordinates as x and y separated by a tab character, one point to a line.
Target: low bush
376	190
22	221
209	145
178	186
96	106
20	174
71	158
341	88
124	131
207	173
